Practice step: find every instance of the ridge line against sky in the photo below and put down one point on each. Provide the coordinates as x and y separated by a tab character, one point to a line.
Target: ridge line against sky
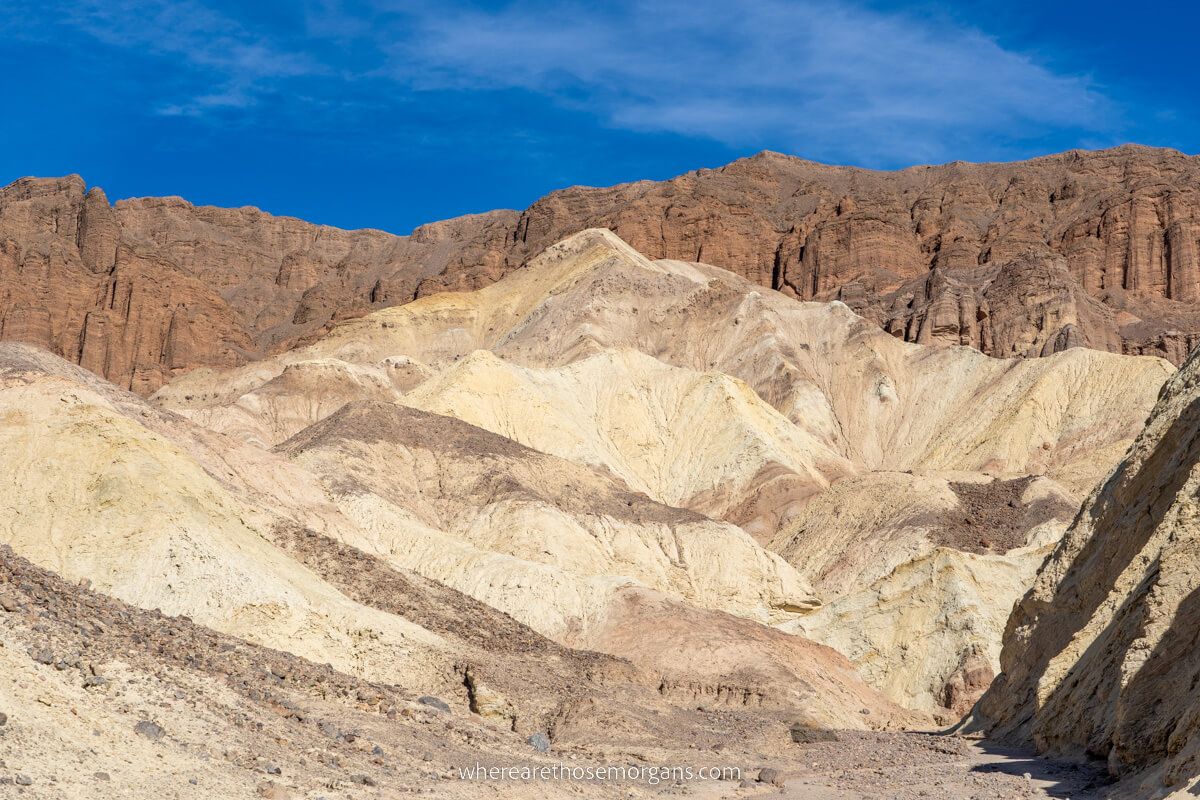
390	114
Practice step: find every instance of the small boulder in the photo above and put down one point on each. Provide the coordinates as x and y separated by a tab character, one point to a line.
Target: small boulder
150	730
487	702
770	775
433	702
540	742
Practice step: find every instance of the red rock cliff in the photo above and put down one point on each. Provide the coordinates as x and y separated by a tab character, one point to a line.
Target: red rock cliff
1099	249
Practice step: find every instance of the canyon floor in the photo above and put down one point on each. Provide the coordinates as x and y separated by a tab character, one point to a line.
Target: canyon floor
104	700
907	766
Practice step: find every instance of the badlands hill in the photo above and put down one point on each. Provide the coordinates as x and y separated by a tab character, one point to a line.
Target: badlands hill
934	477
1100	657
606	508
149	562
1082	248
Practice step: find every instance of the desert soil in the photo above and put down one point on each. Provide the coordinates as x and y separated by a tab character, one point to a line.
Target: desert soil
866	766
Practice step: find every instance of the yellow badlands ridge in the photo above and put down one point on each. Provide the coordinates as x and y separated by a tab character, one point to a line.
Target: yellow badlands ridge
709	394
646	510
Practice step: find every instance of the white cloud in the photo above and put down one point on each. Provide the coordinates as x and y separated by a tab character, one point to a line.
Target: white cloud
240	62
826	79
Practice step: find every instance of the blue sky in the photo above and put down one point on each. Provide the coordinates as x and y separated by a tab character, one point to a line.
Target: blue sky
387	113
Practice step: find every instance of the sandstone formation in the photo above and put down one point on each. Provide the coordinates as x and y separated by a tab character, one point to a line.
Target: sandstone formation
1097	249
855	393
745	467
608	509
1092	248
1100	656
146	289
932	475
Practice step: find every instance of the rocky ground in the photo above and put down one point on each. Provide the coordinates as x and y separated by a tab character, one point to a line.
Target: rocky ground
907	766
992	518
99	699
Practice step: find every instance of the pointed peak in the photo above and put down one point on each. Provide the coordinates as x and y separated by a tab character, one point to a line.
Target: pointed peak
591	241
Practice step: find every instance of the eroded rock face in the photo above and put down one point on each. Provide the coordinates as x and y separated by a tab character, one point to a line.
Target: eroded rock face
149	288
1100	656
1098	249
1081	248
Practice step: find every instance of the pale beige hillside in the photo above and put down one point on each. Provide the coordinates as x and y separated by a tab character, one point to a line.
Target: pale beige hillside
307	391
921	571
103	699
106	499
864	526
162	488
702	441
508	524
797	421
134	502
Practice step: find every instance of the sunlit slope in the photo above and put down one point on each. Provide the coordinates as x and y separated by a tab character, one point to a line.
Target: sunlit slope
795	421
867	397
